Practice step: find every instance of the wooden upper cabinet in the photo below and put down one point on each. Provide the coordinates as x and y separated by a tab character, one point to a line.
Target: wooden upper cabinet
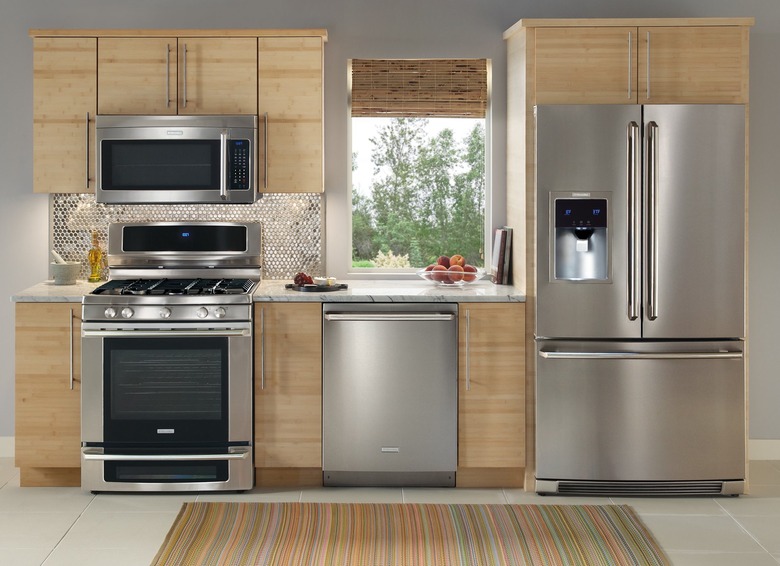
641	65
137	75
64	100
693	65
588	65
159	75
291	95
217	75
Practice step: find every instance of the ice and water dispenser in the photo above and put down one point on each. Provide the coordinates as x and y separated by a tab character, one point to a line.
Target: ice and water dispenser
580	251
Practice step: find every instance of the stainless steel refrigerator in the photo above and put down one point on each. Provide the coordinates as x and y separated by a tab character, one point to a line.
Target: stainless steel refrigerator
640	306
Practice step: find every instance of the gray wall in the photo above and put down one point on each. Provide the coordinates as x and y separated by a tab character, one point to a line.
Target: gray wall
403	28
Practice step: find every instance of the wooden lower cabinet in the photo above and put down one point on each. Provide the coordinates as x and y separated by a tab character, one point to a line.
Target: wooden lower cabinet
48	394
288	394
491	395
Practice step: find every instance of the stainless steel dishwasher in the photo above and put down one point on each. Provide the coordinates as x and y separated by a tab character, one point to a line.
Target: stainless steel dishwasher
390	394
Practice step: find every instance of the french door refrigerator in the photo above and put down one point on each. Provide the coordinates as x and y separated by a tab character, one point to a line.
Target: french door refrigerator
640	306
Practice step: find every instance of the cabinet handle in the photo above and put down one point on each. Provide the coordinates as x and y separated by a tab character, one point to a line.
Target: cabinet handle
468	351
168	75
265	150
86	143
630	66
647	78
184	78
262	349
70	324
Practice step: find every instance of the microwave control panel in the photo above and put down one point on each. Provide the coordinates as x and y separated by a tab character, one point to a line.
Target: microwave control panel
239	164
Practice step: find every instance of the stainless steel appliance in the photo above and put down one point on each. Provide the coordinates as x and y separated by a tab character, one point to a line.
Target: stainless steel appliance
640	313
167	360
177	159
390	402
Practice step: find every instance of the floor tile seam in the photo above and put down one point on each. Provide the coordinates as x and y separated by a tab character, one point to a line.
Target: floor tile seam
68	530
747	531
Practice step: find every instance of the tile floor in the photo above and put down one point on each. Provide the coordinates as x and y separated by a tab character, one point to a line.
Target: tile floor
68	527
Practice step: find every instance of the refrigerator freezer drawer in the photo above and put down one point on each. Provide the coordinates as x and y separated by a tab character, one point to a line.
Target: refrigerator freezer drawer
640	411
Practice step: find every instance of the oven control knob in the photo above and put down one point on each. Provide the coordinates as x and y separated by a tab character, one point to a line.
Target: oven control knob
165	312
219	312
110	312
202	312
127	312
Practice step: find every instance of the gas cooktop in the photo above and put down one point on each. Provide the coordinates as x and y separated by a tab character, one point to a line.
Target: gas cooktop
176	287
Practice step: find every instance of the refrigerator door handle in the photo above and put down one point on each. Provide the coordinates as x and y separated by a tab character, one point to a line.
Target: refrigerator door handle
651	233
562	355
634	222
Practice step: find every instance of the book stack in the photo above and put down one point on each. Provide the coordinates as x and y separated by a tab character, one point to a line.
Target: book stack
501	260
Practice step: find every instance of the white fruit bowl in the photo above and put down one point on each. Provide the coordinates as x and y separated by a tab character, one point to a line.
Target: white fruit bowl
450	279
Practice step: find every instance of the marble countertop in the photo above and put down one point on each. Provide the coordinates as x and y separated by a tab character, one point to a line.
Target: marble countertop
380	291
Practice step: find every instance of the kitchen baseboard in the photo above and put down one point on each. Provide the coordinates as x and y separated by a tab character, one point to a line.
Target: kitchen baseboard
763	449
6	446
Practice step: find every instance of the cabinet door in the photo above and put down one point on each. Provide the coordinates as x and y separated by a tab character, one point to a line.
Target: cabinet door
693	65
290	93
288	385
137	75
48	385
64	100
491	385
217	75
586	65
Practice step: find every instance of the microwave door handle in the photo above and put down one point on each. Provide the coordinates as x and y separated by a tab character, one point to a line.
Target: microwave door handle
223	168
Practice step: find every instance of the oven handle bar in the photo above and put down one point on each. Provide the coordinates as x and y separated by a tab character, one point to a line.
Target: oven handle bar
166	333
95	454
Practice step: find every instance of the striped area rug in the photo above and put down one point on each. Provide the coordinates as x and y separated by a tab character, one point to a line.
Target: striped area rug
362	534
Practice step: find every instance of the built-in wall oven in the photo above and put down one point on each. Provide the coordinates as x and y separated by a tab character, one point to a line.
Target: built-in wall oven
167	361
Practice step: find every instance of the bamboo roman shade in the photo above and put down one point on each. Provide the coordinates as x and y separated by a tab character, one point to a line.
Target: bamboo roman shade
442	88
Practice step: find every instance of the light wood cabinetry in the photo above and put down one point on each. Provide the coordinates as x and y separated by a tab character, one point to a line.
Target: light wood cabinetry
78	73
64	95
168	75
48	393
653	64
288	394
291	97
491	395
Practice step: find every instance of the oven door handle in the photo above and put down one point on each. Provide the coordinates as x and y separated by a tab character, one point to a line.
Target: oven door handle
97	454
165	333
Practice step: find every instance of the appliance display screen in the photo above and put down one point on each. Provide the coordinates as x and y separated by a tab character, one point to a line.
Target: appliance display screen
184	238
581	213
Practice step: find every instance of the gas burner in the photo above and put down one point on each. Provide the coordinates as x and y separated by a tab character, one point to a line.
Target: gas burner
176	287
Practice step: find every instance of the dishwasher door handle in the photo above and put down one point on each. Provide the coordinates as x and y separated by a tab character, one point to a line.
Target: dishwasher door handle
389	317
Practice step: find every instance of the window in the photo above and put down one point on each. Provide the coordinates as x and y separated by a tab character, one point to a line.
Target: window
418	162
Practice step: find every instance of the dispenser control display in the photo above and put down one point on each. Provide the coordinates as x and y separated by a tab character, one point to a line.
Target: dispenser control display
581	213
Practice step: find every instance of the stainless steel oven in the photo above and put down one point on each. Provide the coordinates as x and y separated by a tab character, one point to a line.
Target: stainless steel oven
167	365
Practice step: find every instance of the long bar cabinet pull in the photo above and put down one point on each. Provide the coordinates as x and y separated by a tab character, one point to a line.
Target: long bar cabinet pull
184	78
630	65
647	86
70	325
262	349
86	143
468	351
168	75
265	150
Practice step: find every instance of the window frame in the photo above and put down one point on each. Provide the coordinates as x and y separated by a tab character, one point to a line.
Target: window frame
410	273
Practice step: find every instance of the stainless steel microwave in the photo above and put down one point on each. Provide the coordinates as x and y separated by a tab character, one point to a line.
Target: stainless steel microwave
176	159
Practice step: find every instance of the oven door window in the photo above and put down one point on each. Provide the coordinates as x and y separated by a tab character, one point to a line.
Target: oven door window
160	165
166	390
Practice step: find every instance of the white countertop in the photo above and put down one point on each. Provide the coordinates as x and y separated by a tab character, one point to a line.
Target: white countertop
273	290
391	291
